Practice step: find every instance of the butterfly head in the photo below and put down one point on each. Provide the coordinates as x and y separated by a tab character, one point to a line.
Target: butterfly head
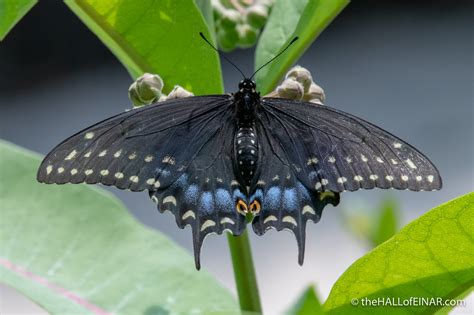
247	85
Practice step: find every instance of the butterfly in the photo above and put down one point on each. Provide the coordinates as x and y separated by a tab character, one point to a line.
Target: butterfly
216	160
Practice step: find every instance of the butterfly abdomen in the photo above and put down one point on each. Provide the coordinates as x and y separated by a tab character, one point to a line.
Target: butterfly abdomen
246	152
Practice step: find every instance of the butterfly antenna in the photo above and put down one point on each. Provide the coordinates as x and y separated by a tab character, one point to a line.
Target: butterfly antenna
278	55
221	54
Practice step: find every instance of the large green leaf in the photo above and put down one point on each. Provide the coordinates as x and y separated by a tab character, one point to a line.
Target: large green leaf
156	36
74	249
307	304
303	18
11	11
431	257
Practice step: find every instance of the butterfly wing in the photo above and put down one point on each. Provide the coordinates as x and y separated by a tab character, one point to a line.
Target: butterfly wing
179	150
330	150
286	203
205	195
144	148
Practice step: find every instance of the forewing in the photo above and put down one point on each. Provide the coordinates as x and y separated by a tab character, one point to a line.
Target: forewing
206	194
330	150
143	148
286	203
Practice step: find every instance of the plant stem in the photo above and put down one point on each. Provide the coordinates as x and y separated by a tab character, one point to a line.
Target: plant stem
244	273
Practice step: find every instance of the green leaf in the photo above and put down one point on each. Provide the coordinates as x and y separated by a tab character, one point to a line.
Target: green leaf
303	18
385	223
156	36
307	304
74	249
11	11
207	12
431	257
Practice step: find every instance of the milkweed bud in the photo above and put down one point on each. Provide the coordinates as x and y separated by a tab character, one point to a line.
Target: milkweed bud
247	35
229	18
302	75
227	39
256	15
178	92
145	90
315	94
291	89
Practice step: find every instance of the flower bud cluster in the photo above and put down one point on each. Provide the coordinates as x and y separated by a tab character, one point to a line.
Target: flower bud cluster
148	89
238	22
299	85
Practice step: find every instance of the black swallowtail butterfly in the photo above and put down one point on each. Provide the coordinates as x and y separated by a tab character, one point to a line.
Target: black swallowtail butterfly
211	160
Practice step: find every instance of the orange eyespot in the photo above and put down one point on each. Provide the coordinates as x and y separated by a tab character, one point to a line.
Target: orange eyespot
241	207
255	207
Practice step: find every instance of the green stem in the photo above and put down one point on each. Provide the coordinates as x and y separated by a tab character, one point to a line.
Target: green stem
244	273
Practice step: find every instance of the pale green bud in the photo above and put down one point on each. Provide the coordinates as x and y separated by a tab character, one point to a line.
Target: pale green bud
290	89
315	94
178	92
247	35
229	18
256	15
145	90
302	75
227	39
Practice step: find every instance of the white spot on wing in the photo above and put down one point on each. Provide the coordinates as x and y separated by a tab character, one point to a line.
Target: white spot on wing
379	159
308	209
234	183
270	218
168	160
71	155
394	162
49	169
317	186
389	178
364	158
157	184
103	153
134	179
404	178
74	171
411	164
358	178
341	180
118	175
150	181
88	154
348	159
207	224
104	172
261	182
170	199
332	159
227	220
290	219
397	145
419	178
89	172
188	214
148	158
60	170
89	135
430	178
312	160
324	181
132	156
117	154
373	177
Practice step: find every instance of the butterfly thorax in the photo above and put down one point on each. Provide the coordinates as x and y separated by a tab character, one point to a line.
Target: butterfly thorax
245	140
